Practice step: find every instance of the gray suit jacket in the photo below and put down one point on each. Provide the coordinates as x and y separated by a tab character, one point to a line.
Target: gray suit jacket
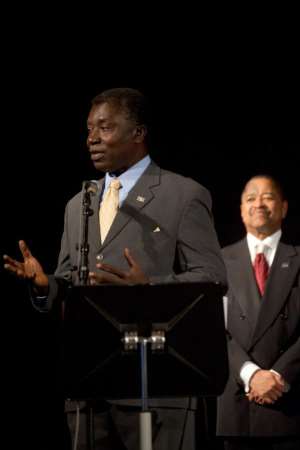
165	221
267	332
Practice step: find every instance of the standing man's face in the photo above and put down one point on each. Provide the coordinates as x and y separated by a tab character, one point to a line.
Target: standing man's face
114	140
262	208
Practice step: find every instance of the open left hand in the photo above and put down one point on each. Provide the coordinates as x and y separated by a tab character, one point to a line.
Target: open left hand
113	275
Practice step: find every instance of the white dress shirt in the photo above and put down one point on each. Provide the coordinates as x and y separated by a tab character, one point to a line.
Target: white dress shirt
268	246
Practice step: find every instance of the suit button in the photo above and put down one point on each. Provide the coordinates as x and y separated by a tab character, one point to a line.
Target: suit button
242	317
99	257
283	316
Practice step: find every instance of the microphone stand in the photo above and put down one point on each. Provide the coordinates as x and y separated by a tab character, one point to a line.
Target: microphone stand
88	190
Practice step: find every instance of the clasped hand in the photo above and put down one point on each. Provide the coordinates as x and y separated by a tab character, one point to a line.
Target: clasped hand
266	387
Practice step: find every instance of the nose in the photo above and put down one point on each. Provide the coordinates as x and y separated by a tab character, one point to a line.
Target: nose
93	137
258	202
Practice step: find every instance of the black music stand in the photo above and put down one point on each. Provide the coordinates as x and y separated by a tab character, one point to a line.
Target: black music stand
128	341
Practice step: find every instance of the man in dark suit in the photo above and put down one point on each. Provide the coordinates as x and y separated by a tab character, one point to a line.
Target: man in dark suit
163	232
260	407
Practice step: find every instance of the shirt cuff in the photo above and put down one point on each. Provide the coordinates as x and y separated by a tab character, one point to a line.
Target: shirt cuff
225	310
247	371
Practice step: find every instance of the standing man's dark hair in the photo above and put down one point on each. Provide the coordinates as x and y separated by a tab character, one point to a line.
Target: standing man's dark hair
273	180
131	101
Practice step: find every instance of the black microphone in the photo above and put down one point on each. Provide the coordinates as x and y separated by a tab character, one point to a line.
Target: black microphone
91	186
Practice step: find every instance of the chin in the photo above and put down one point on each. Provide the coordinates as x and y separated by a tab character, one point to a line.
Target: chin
265	229
261	223
101	167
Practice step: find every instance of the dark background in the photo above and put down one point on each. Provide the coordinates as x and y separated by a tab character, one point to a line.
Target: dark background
210	77
44	161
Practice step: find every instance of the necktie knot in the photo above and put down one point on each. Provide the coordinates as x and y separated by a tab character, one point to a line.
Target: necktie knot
261	270
115	184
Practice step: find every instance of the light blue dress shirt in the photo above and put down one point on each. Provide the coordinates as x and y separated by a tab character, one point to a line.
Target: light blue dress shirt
128	179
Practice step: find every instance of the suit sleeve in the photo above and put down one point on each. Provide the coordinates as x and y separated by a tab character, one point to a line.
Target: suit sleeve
237	357
61	280
197	246
288	363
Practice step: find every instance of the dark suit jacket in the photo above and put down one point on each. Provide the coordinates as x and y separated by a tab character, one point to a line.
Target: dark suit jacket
267	332
165	221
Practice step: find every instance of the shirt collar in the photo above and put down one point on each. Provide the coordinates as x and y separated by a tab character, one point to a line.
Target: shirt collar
270	241
131	174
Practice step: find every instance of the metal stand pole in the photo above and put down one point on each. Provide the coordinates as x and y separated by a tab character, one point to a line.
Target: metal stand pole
83	270
145	414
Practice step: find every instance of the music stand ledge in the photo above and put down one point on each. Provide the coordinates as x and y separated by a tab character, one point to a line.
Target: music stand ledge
128	342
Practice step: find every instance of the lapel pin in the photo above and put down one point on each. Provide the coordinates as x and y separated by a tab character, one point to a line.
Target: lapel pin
157	230
284	265
140	199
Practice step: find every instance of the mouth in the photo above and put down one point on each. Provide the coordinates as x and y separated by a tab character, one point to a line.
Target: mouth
97	155
261	213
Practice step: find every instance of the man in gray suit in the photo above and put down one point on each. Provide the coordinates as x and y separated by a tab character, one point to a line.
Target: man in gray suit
163	232
260	407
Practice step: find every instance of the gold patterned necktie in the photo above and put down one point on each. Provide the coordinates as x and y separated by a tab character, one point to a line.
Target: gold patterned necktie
109	207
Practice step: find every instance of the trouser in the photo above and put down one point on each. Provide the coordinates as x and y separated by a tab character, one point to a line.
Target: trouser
118	428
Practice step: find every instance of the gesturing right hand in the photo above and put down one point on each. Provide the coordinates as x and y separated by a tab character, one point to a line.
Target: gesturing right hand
30	269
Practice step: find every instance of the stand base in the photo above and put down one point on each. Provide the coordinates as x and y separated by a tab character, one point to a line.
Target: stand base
145	431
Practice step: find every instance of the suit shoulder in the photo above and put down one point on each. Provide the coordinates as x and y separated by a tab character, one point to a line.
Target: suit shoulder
185	182
75	200
232	249
290	247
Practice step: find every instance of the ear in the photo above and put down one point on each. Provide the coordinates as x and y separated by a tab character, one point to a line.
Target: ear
242	213
139	133
284	209
241	209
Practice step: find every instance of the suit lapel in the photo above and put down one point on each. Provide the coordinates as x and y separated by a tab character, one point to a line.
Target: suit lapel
244	285
278	286
139	196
